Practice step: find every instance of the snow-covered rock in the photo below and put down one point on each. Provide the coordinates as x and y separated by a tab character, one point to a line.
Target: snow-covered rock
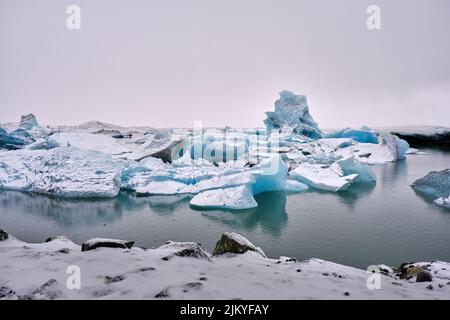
291	116
38	271
95	243
234	243
63	172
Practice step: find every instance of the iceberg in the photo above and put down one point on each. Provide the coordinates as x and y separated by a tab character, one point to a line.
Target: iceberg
64	172
361	135
80	140
235	198
291	116
390	148
27	132
322	177
28	122
436	184
350	165
443	202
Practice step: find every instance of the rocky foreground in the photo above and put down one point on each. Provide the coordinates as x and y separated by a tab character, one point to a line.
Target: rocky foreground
114	269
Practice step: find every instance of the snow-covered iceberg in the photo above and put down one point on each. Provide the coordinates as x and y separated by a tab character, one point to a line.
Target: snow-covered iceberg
338	176
28	131
63	172
322	178
236	198
291	116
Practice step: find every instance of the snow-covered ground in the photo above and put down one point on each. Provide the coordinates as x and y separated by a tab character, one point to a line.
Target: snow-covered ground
39	271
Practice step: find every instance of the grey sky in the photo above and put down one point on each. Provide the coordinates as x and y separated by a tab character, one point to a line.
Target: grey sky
171	62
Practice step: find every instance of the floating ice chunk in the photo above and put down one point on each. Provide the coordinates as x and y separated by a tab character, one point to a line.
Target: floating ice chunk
87	141
320	177
443	202
163	187
402	147
271	175
235	198
390	148
360	135
63	172
295	186
435	184
291	116
350	165
11	142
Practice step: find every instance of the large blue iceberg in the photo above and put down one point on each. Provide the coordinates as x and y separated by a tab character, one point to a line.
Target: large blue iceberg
364	135
291	116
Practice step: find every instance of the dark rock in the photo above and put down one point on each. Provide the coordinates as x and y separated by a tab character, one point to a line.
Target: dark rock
440	285
430	287
106	243
424	276
3	235
194	285
144	269
325	274
163	294
365	155
347	294
410	270
117	278
47	290
7	293
299	270
234	243
64	250
203	279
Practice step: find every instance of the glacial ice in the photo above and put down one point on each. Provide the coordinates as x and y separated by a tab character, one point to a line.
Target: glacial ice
390	148
291	116
322	178
234	198
360	135
63	172
443	202
350	165
193	162
81	140
27	132
435	184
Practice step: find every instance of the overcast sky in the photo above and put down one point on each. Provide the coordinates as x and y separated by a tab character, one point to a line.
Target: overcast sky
171	62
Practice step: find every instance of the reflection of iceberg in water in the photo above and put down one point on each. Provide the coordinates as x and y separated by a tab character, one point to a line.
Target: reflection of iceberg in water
64	212
270	214
350	196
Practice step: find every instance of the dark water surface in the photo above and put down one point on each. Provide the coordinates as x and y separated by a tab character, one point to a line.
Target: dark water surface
384	223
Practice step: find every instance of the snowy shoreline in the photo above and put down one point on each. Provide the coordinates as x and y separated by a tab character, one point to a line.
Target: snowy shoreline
186	271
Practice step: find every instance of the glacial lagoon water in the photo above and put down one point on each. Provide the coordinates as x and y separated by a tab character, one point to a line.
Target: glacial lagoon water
385	223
